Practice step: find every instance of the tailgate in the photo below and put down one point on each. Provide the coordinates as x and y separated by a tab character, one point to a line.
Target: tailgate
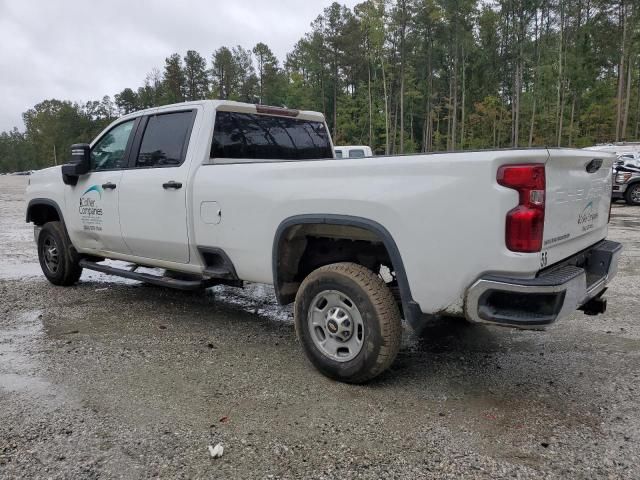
578	196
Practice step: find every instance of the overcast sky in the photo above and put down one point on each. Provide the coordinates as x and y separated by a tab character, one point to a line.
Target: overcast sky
83	49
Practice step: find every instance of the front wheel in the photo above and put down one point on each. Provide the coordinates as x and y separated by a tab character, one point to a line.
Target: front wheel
348	322
632	195
58	259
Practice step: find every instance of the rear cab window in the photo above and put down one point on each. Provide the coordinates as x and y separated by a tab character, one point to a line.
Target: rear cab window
258	137
356	153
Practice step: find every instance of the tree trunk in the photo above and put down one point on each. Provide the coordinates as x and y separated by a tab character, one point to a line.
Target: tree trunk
386	109
449	109
402	41
454	121
561	121
394	135
638	108
464	86
370	105
625	116
573	109
516	107
535	78
401	109
533	121
335	101
495	131
621	70
559	100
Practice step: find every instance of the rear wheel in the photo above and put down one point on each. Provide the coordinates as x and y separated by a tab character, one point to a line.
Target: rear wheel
58	259
348	322
632	195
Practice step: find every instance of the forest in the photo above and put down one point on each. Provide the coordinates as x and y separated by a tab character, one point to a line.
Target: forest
402	76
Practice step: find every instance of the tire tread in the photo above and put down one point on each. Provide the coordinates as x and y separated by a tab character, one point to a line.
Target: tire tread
384	305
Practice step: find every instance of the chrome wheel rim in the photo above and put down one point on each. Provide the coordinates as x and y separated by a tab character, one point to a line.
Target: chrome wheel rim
336	326
635	194
50	254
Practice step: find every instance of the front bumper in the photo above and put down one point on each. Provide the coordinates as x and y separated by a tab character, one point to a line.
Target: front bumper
618	190
554	293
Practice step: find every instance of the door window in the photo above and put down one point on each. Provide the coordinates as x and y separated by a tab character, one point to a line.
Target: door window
165	140
109	153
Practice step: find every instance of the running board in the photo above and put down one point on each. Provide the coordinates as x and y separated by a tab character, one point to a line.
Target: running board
146	277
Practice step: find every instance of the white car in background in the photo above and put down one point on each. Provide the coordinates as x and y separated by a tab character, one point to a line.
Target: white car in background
353	151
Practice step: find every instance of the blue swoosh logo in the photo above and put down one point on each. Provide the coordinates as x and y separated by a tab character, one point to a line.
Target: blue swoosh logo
93	188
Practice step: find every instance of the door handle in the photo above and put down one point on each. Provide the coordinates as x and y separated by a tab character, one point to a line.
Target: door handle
108	186
172	184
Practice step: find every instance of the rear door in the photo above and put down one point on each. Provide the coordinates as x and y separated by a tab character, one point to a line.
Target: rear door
578	189
152	203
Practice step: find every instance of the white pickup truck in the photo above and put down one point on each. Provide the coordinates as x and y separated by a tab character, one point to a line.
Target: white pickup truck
218	192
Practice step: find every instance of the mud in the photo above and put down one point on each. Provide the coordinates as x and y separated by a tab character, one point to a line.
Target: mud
115	379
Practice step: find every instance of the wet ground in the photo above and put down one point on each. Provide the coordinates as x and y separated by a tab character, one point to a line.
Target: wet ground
114	379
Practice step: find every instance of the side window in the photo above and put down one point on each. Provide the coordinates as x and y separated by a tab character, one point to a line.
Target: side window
357	153
109	152
250	136
165	140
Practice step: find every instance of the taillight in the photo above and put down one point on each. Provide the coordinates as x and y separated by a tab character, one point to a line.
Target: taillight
525	223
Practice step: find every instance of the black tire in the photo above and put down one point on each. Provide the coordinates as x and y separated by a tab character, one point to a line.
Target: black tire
382	332
53	241
632	194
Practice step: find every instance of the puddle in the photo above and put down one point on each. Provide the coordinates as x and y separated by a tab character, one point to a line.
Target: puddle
25	271
20	371
256	298
625	223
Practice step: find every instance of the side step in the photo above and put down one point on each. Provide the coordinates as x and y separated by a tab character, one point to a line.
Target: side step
146	277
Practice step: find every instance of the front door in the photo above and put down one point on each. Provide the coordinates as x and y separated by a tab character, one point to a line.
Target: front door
153	201
92	218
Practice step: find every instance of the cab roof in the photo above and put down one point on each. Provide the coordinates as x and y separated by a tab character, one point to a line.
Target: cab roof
232	106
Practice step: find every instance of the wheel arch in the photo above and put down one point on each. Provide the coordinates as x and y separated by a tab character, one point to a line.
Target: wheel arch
633	181
411	309
43	210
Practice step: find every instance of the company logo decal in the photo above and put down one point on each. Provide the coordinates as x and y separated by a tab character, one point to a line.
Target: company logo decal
90	209
588	217
94	188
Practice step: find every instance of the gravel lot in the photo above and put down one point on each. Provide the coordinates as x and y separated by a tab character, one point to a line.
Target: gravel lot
115	379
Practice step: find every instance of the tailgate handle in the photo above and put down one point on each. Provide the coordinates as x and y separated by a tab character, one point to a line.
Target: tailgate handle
594	165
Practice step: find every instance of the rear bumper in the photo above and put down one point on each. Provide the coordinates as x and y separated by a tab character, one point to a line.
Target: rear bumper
554	294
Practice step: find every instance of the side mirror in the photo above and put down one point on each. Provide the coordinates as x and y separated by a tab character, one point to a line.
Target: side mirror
79	164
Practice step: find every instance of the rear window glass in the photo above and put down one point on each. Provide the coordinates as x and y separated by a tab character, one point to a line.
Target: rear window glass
338	153
164	140
251	136
358	153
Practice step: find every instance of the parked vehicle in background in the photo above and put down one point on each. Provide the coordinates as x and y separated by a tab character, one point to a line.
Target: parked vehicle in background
626	181
630	159
619	148
227	192
626	170
353	151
